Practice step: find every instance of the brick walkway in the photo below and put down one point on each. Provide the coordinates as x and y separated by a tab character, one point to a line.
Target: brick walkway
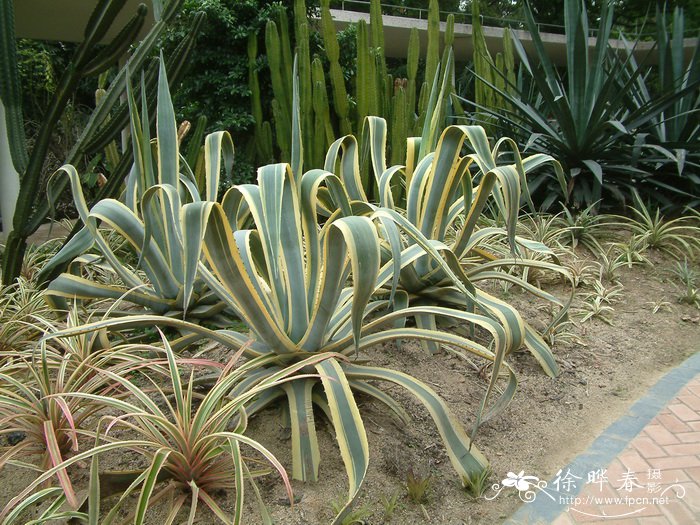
643	470
666	452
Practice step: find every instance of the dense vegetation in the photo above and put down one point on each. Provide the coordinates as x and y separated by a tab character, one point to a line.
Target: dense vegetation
386	206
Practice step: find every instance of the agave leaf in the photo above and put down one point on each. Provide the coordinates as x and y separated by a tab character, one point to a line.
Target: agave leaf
305	452
349	429
465	458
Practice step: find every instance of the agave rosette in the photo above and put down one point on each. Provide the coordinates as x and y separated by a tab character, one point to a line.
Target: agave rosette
158	216
287	279
445	201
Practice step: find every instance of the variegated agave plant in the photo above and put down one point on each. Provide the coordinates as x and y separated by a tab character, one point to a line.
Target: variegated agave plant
306	289
157	216
445	202
286	277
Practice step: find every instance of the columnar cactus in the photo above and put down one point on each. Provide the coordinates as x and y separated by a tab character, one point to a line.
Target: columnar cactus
104	124
340	95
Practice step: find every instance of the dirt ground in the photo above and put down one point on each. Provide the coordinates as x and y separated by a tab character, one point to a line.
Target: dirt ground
548	423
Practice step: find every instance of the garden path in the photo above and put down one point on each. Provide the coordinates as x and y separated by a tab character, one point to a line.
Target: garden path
643	470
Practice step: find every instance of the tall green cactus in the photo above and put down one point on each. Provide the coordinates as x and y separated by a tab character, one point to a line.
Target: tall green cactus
366	83
384	83
10	91
301	30
255	100
89	59
253	80
399	126
499	72
508	69
433	53
484	96
455	106
282	103
422	108
323	129
376	92
286	49
111	150
432	59
449	37
340	94
412	69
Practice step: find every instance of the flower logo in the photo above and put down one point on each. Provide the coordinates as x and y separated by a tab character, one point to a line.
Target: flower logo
527	486
519	481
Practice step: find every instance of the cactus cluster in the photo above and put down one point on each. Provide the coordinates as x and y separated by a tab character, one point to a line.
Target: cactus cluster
339	107
493	77
106	122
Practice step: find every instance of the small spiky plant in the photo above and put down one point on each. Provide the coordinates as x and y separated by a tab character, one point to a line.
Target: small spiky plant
21	306
44	427
688	276
677	237
585	227
192	441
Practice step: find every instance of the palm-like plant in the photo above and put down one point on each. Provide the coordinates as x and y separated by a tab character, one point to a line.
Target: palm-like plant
671	148
584	119
158	219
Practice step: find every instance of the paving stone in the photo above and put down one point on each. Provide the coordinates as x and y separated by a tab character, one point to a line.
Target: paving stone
687	449
633	461
675	462
678	514
684	412
689	437
623	521
651	520
660	432
692	497
693	473
633	511
648	448
692	401
672	475
661	435
671	423
563	519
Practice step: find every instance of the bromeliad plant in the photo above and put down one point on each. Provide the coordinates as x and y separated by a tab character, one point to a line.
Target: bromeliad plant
45	429
21	304
157	216
190	442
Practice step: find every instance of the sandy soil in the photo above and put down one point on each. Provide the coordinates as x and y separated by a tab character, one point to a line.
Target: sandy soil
548	423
